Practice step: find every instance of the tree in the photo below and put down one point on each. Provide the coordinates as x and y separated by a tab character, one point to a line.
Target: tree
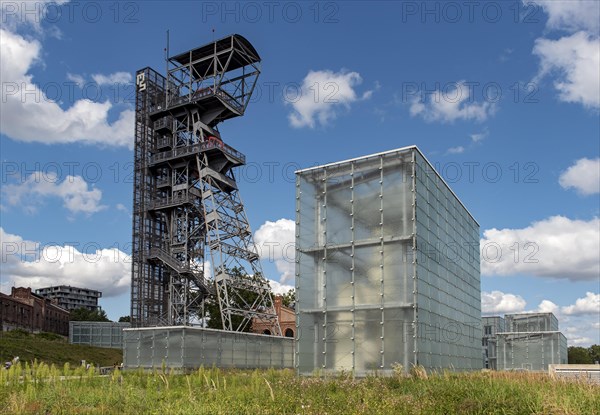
84	314
125	319
213	312
595	353
289	299
579	355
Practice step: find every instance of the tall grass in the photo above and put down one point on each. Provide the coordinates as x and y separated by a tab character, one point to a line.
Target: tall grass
37	388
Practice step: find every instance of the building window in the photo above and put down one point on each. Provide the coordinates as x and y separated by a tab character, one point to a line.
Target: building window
487	330
267	332
289	333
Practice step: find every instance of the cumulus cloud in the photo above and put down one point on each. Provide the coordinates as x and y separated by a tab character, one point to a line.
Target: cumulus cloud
557	247
547	306
571	15
77	195
584	176
573	60
31	264
31	14
276	242
590	304
497	302
451	104
279	288
322	95
29	115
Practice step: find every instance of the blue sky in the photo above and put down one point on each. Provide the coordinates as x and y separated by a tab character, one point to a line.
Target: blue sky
503	97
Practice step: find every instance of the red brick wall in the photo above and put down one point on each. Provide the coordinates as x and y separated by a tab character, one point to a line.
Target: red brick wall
287	321
27	311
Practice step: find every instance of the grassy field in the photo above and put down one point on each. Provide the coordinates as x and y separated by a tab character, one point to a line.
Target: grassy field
40	389
53	349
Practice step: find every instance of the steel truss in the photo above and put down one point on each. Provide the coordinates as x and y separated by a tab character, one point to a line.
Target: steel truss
191	236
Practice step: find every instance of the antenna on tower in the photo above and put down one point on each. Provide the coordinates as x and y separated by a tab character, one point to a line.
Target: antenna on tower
167	68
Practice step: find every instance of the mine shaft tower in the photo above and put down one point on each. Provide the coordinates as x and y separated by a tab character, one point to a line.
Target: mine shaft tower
191	237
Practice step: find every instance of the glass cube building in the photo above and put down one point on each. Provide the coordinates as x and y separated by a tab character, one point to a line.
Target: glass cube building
530	341
531	350
387	268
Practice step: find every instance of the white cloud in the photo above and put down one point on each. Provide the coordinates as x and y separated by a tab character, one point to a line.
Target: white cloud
590	304
575	340
122	207
451	104
11	244
106	270
279	288
573	59
477	137
456	150
547	306
321	96
276	242
29	115
497	302
570	15
78	79
577	329
580	321
75	192
112	79
584	176
557	247
576	61
15	14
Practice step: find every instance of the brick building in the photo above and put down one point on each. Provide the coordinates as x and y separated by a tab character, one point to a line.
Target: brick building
287	321
23	309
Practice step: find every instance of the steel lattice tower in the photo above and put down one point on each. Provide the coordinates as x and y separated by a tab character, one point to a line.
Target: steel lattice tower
187	209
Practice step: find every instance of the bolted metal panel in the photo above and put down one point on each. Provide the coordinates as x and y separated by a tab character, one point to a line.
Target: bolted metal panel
191	236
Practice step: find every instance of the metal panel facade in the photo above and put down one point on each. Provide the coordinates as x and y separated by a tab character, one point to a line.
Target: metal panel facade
97	333
387	268
185	348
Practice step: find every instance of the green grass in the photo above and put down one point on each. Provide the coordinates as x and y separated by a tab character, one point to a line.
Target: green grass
38	388
53	349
